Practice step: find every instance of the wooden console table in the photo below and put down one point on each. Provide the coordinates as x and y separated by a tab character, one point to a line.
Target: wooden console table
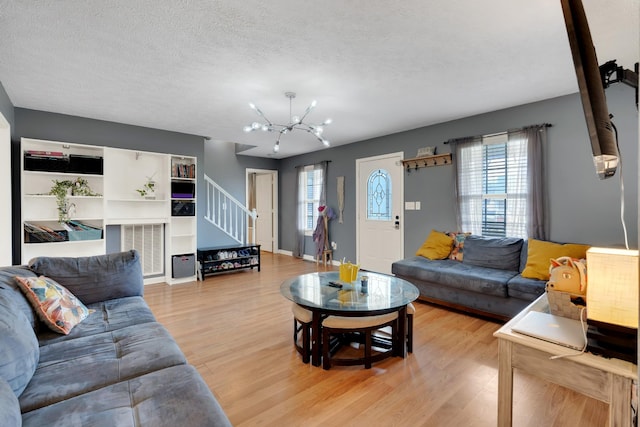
607	380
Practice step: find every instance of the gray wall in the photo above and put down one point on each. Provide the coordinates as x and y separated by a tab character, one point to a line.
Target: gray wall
61	127
229	171
582	208
219	159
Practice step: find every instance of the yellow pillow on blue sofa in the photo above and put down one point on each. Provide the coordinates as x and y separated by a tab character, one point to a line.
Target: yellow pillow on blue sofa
540	252
437	246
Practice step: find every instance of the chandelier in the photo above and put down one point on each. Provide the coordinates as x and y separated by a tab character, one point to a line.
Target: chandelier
295	123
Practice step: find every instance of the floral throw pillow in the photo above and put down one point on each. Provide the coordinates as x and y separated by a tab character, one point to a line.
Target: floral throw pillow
458	245
58	308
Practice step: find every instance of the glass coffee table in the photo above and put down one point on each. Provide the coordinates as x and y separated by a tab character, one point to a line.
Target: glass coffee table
318	293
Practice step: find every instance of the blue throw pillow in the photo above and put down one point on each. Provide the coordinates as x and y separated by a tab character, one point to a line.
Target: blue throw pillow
502	253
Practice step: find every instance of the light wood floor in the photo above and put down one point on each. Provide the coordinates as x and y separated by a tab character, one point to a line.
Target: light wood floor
236	329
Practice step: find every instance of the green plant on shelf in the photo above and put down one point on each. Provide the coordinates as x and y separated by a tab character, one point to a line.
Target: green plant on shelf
81	188
61	190
148	190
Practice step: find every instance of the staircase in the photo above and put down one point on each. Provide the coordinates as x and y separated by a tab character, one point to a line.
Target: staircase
228	214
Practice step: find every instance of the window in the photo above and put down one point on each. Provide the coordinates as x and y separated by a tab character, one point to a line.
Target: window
379	196
311	191
492	186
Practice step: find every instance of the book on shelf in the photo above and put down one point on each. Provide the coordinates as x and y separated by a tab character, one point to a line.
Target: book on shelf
183	170
43	153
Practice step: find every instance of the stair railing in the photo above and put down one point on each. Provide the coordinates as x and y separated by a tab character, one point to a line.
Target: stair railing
228	214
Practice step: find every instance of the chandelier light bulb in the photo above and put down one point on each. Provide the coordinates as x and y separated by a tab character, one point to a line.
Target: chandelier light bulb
297	122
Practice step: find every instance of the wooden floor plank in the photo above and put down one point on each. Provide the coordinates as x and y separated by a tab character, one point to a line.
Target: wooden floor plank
236	329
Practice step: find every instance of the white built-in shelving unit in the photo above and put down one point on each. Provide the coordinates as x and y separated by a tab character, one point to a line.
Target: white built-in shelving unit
147	223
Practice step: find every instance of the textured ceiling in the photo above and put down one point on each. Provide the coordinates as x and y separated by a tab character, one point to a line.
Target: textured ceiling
375	67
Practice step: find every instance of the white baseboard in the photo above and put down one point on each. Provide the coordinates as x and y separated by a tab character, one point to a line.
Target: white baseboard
305	257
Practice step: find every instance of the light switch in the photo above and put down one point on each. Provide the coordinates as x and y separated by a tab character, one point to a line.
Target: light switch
417	205
409	206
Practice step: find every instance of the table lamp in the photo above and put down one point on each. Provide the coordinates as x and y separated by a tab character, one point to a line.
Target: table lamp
612	286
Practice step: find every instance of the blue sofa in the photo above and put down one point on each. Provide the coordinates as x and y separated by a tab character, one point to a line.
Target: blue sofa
117	367
488	280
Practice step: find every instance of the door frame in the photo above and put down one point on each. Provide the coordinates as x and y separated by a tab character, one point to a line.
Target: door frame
6	252
274	194
360	209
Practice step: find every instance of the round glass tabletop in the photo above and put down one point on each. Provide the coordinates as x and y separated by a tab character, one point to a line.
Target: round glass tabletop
318	290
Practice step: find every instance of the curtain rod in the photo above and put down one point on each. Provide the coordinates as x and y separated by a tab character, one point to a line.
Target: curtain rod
547	125
328	161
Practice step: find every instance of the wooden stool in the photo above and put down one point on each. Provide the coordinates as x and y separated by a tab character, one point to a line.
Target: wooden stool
327	257
302	316
411	310
364	325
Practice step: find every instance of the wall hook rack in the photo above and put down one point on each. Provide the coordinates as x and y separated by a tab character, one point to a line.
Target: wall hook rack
427	161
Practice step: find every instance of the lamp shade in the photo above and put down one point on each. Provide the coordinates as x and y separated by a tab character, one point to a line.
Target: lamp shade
612	286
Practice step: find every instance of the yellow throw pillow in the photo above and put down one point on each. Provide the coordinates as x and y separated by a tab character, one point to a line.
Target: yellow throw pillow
540	252
437	246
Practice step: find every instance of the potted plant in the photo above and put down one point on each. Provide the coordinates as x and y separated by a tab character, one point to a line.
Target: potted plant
81	187
61	190
148	190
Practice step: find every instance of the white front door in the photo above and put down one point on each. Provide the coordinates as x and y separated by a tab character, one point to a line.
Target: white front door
380	196
264	208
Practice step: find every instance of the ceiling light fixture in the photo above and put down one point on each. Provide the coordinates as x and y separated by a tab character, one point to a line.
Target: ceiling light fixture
295	123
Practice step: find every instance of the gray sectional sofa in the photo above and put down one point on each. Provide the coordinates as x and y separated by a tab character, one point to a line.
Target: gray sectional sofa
488	280
117	367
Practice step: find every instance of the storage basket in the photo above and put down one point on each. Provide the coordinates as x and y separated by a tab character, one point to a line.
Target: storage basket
33	236
83	232
561	304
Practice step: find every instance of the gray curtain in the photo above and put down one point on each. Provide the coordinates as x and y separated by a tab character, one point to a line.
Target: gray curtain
298	250
537	226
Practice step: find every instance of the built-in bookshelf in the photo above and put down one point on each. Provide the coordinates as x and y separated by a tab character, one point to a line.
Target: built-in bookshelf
182	231
151	196
45	165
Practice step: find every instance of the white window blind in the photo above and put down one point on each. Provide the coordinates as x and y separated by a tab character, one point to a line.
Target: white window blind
312	190
492	186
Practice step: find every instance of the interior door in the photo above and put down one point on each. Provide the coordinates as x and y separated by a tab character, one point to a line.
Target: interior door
264	208
380	196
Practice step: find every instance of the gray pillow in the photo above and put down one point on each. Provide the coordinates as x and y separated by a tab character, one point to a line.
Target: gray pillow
9	407
19	350
97	278
10	290
502	253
